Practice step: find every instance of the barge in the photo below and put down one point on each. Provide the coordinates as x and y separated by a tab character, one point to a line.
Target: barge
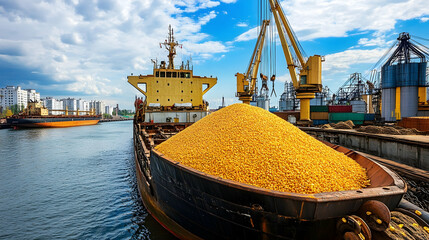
37	116
195	205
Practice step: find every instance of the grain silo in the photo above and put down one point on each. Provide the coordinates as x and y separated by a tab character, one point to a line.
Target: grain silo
403	80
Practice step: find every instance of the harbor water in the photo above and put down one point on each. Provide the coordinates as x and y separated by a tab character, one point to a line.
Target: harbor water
72	183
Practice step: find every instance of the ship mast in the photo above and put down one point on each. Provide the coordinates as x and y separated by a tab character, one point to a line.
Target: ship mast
170	45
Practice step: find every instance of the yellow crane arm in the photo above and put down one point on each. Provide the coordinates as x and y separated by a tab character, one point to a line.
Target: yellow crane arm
283	26
310	75
246	88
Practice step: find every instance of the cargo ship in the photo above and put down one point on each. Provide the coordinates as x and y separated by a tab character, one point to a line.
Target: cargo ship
37	116
193	205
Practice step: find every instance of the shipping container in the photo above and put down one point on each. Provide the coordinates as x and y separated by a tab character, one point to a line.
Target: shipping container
357	118
369	117
340	108
319	108
319	122
319	115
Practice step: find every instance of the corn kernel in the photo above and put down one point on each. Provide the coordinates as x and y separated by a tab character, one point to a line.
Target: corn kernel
368	213
418	212
379	221
252	146
401	225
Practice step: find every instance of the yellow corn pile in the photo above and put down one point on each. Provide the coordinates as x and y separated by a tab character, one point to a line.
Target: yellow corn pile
252	146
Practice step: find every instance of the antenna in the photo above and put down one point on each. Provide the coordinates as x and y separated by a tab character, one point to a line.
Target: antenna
170	44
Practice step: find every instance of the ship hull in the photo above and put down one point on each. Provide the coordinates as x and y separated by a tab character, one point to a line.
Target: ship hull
194	205
52	122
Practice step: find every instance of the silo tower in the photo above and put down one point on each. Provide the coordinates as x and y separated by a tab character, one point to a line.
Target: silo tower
403	80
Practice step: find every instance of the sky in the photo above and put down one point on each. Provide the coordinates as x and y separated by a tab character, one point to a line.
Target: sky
87	48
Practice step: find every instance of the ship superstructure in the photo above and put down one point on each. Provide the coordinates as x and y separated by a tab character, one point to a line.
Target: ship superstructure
171	94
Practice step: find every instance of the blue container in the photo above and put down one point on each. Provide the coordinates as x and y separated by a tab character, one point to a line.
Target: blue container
320	122
369	117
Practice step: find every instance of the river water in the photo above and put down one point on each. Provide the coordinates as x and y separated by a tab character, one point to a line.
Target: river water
72	183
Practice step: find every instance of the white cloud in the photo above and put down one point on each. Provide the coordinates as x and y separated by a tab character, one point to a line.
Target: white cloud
228	1
205	19
248	35
309	19
379	15
242	24
88	46
424	19
342	61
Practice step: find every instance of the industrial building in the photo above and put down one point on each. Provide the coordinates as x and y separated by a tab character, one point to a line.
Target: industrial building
395	89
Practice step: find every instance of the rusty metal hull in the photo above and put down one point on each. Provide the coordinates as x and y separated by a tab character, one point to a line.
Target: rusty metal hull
193	205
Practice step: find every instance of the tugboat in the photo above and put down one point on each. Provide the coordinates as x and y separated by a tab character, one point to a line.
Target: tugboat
37	116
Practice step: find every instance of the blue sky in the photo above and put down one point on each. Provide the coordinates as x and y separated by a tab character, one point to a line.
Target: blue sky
87	48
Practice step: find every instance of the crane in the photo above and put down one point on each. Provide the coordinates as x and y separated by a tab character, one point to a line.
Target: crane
246	82
310	70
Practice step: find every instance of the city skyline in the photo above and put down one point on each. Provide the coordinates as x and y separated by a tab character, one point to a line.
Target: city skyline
15	95
86	49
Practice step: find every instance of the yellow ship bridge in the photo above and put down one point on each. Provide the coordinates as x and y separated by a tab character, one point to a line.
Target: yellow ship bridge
169	89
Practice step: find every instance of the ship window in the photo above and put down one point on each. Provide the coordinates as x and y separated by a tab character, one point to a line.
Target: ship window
182	90
191	91
168	84
175	74
191	82
168	99
156	81
157	100
157	90
188	75
169	74
181	100
162	74
181	81
157	74
182	75
191	100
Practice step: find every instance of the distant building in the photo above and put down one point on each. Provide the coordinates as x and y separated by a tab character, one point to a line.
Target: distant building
82	105
108	110
12	95
53	104
32	95
99	106
70	103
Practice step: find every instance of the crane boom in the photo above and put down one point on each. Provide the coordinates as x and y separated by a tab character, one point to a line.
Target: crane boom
246	83
310	75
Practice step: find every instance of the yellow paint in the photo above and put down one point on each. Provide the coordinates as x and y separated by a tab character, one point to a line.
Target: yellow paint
422	95
63	124
167	85
368	101
36	108
305	105
246	83
173	86
310	76
398	104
